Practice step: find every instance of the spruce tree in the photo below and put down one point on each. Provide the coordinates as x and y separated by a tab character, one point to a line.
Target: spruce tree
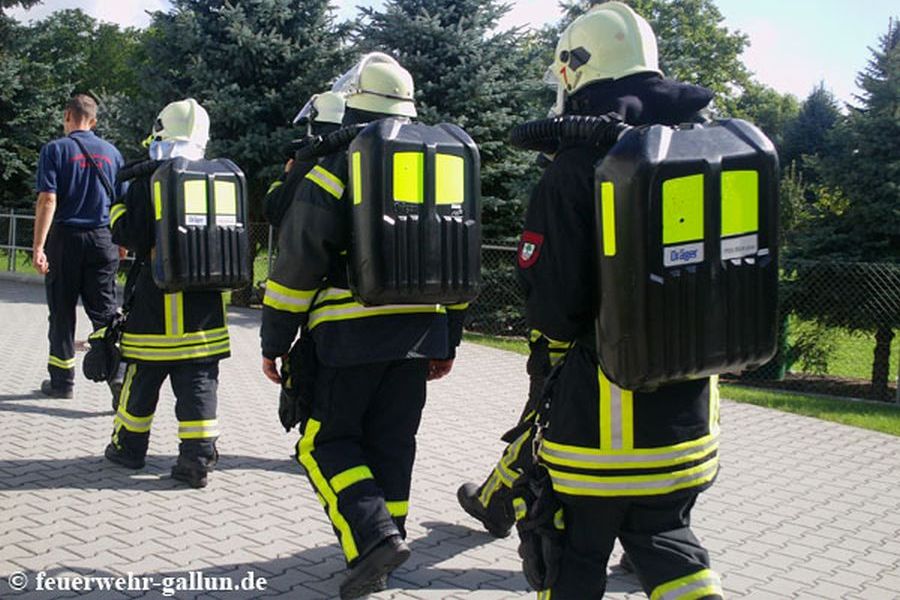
807	134
468	73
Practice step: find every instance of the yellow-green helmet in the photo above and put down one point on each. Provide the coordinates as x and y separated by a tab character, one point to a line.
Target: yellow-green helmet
327	107
377	83
610	41
182	121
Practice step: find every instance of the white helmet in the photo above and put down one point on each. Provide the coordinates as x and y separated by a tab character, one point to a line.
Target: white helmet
377	83
610	41
327	107
180	129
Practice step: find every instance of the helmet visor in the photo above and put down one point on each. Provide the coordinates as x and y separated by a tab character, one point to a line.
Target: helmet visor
306	114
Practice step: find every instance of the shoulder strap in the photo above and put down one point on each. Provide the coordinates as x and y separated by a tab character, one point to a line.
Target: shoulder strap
103	178
130	282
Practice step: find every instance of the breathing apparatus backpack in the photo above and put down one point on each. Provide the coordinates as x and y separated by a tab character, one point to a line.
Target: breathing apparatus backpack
202	241
686	229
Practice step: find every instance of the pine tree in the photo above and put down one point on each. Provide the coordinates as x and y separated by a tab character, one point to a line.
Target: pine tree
467	73
807	134
250	64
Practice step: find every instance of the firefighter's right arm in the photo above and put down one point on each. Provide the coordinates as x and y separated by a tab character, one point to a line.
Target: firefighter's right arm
313	230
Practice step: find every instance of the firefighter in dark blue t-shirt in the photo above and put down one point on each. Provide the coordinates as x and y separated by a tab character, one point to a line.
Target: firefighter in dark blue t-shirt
72	245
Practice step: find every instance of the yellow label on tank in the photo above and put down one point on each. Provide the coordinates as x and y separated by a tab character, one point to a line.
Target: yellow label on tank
226	197
356	168
740	202
608	206
195	197
682	209
449	179
409	177
157	199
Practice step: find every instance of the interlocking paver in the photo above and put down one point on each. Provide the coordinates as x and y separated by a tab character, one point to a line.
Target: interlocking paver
801	509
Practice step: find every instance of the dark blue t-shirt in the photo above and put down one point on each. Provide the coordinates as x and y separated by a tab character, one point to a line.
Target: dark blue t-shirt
81	199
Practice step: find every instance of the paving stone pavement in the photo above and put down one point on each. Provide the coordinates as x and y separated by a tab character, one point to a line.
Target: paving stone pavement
802	509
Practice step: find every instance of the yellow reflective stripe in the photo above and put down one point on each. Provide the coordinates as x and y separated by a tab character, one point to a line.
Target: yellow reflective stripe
631	458
123	401
354	310
275	185
131	422
504	467
177	353
60	363
281	297
99	334
608	206
520	508
157	199
489	488
345	479
462	306
193	337
327	181
559	520
534	335
576	484
116	212
397	508
333	293
616	415
698	585
643	458
544	595
305	448
174	313
198	430
714	405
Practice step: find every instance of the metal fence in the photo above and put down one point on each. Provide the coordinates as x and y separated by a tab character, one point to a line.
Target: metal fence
839	321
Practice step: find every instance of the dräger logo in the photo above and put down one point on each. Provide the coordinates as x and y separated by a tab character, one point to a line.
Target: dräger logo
682	255
686	254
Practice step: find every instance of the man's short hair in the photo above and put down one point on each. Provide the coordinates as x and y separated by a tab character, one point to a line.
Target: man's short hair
83	107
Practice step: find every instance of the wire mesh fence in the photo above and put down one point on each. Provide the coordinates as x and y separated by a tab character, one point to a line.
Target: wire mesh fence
839	322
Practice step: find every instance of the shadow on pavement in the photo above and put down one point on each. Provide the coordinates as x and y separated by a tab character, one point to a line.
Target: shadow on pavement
97	473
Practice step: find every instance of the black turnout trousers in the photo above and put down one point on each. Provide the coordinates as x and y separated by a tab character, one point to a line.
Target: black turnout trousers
655	533
359	445
195	385
83	264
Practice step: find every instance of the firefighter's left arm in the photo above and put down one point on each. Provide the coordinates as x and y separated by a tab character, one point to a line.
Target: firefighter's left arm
313	231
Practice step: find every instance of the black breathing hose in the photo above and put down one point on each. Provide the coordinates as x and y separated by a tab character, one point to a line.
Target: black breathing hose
322	145
545	135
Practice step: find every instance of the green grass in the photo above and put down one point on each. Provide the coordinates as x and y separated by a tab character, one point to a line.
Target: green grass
858	413
510	344
23	261
852	354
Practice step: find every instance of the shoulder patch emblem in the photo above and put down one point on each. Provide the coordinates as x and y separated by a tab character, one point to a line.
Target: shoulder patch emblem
530	248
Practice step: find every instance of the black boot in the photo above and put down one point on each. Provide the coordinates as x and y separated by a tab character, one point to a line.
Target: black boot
120	457
495	518
369	574
192	473
47	389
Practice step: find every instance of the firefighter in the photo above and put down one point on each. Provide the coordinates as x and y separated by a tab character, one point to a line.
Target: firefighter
626	464
181	335
372	362
322	115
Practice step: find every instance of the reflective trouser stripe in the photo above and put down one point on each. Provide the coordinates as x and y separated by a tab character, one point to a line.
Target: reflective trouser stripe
520	509
115	213
61	363
282	297
503	473
123	402
174	314
616	415
305	448
699	585
198	430
398	508
327	181
132	423
275	185
544	595
577	484
345	479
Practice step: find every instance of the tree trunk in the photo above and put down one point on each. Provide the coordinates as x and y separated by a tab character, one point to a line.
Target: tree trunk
881	364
